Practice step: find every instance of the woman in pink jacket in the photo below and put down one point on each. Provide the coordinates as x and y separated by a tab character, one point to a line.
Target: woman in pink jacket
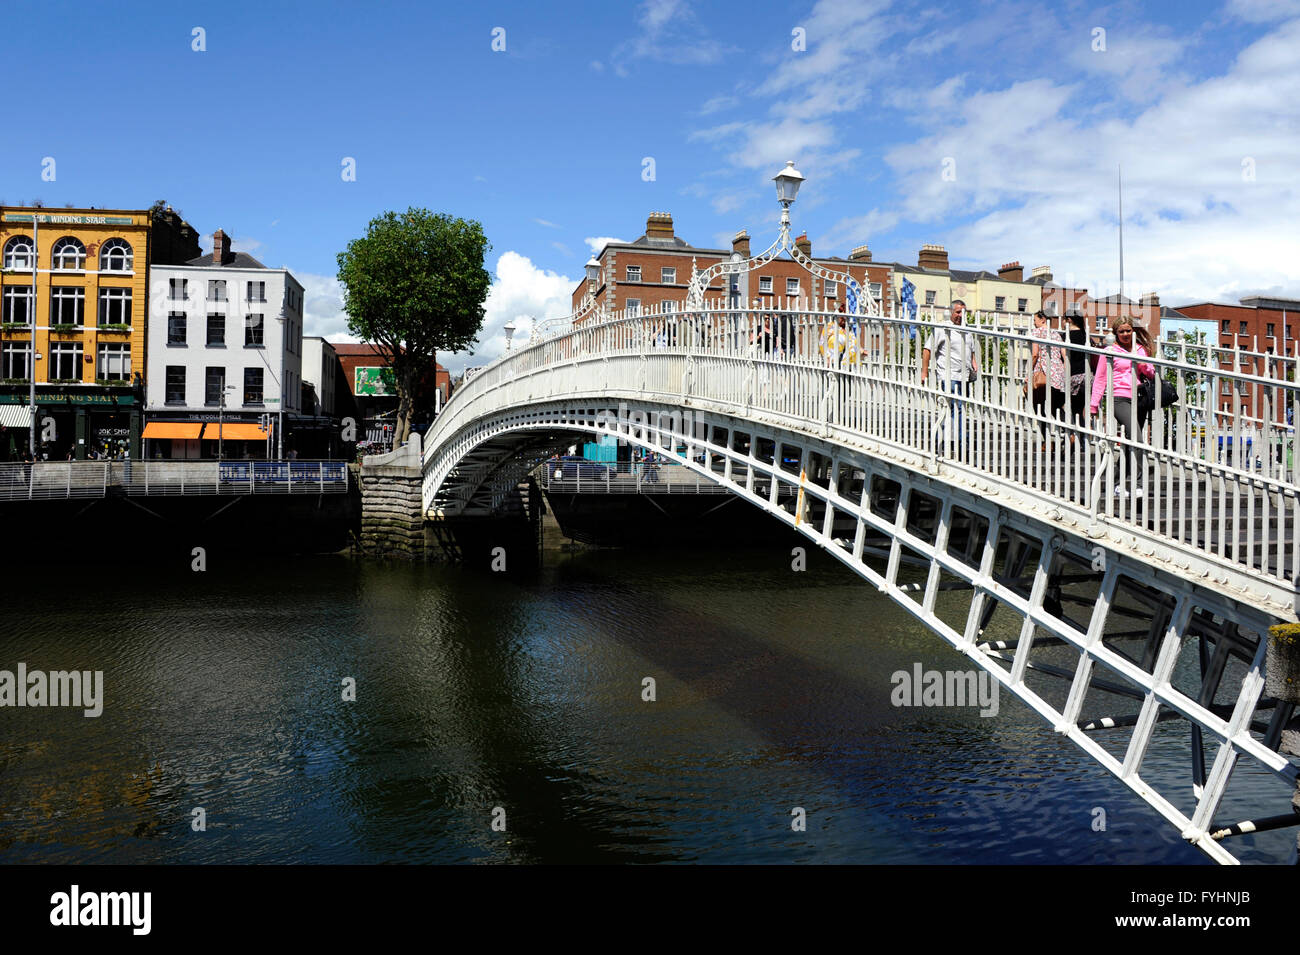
1129	416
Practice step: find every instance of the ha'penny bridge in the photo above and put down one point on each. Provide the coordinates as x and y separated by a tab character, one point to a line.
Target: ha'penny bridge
1136	625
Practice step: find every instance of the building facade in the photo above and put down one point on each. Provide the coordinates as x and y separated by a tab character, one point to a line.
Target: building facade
73	301
225	352
653	273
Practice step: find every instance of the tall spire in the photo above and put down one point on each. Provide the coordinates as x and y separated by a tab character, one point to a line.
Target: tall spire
1120	183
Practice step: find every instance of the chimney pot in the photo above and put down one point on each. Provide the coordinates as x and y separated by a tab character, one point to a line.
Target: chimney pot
1012	272
860	254
933	257
740	243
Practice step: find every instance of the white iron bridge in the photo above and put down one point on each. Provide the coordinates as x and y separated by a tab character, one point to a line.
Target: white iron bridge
1135	624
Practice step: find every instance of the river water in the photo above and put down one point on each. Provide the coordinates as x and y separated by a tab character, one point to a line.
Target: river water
478	692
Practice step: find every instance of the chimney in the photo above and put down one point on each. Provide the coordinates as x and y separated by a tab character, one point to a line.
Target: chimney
933	257
804	244
740	243
220	247
860	254
1012	272
1043	272
1150	299
659	225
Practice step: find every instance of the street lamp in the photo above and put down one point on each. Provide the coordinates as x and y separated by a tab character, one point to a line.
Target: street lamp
510	332
221	413
788	181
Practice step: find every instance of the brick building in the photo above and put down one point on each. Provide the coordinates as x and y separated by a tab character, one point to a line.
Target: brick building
1257	324
654	272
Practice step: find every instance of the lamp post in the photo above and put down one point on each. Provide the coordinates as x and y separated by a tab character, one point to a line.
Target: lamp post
31	317
788	181
221	414
510	332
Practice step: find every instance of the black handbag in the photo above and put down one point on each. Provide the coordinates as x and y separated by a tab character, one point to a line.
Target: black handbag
1147	395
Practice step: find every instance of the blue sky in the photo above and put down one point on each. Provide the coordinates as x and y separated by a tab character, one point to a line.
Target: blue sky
545	141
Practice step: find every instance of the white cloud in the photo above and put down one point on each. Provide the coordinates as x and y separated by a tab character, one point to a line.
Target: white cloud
1263	11
547	223
523	293
717	104
670	33
322	307
598	242
1196	227
562	248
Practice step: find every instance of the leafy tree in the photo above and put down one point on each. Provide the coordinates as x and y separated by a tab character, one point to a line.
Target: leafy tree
414	285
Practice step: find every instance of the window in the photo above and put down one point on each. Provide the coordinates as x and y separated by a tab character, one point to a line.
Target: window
19	304
633	306
216	290
634	273
929	297
1271	330
116	255
252	386
1226	387
765	285
115	306
214	382
217	330
791	286
257	291
65	361
1022	304
176	328
68	254
253	330
1243	329
18	253
1227	327
832	288
15	359
178	290
999	303
877	290
175	385
668	276
668	307
67	305
114	362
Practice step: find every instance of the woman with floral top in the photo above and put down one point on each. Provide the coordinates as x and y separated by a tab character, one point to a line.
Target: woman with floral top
1048	361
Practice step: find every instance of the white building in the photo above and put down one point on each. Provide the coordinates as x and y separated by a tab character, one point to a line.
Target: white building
320	365
222	324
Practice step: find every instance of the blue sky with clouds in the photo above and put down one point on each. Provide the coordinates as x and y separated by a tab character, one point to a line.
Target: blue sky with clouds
544	142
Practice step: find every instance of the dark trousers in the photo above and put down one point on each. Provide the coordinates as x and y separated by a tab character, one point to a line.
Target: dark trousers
1040	404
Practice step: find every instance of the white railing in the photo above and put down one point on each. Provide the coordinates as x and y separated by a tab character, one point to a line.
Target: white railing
660	475
47	480
1216	482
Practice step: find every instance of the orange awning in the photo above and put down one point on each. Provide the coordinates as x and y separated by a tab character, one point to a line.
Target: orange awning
183	430
234	431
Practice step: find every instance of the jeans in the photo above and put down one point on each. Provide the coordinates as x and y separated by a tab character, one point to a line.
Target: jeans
956	387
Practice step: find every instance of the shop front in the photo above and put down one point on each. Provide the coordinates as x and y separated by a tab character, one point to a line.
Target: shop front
76	424
207	437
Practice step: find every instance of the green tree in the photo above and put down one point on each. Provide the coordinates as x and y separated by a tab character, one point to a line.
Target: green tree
414	285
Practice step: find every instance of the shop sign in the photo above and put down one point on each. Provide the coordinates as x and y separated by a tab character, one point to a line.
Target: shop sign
54	218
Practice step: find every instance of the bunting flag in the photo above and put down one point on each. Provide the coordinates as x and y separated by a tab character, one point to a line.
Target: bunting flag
908	301
851	291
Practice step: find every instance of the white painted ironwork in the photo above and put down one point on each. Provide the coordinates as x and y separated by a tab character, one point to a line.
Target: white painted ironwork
1214	534
46	480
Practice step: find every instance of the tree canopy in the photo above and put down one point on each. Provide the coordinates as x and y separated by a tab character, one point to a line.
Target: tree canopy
414	285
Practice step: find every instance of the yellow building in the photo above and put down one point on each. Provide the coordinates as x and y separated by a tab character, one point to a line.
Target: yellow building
89	271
